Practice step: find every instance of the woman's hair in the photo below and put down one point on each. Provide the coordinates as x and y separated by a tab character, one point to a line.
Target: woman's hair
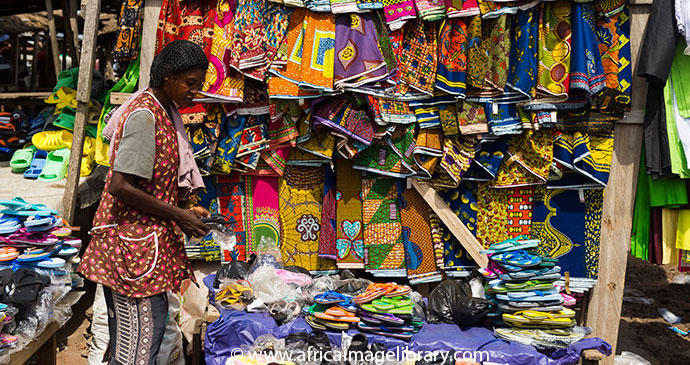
177	56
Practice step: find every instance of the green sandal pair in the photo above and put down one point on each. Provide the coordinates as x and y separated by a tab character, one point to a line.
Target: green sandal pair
393	305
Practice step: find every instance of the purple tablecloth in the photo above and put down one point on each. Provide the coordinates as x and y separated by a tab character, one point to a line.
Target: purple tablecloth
234	329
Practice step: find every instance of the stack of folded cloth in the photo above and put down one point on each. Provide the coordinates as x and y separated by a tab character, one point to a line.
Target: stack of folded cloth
331	311
524	291
387	310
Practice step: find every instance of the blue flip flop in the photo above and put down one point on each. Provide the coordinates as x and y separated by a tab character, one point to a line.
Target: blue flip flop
49	263
33	254
67	252
39	223
37	164
331	297
513	244
9	224
518	258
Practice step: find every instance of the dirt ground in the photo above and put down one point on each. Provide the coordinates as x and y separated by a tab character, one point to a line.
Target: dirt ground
642	330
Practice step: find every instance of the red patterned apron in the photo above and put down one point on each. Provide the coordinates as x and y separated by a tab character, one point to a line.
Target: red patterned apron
132	252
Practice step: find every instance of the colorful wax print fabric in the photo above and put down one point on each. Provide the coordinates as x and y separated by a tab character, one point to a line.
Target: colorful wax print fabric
231	191
522	74
553	82
321	143
492	214
365	5
477	55
428	151
318	52
458	153
396	112
496	44
228	144
343	6
350	228
529	159
391	156
448	117
610	7
614	46
358	59
418	57
383	242
327	244
347	115
586	69
452	57
398	12
472	118
301	198
416	233
520	211
461	8
129	34
262	213
585	159
222	81
487	160
494	9
431	10
463	202
569	229
503	119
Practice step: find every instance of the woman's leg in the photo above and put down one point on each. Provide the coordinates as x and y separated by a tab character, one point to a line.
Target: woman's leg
136	327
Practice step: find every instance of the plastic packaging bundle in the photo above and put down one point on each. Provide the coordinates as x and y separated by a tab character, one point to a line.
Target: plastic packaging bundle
452	302
543	339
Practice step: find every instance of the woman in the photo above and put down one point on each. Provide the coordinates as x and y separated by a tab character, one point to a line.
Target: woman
137	250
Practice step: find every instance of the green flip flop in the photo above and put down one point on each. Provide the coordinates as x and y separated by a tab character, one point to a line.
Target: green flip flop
56	165
21	159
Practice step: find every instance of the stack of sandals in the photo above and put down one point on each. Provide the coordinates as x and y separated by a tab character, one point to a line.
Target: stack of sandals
235	295
332	311
387	310
523	286
33	236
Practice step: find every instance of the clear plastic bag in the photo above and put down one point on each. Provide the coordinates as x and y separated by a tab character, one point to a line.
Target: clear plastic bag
544	340
269	287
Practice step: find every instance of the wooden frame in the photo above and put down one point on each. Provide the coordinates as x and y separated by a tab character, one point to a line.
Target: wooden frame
603	310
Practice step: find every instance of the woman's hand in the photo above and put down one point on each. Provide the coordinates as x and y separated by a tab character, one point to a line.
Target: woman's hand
191	225
200	211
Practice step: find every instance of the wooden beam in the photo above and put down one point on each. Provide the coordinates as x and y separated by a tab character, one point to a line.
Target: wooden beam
69	37
88	57
33	347
52	33
25	95
119	98
34	59
74	27
454	224
604	312
152	9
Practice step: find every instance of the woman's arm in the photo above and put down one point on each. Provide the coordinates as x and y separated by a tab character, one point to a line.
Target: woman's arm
122	186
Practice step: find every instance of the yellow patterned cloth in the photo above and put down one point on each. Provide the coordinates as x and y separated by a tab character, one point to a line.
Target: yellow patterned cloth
492	214
383	241
300	193
529	159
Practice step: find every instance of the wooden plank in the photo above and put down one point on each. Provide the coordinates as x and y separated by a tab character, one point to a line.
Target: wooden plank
25	95
21	357
91	20
52	34
34	58
152	9
456	227
119	98
69	37
74	27
638	21
603	314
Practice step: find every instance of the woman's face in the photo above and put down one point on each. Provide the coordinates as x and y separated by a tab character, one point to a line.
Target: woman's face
183	86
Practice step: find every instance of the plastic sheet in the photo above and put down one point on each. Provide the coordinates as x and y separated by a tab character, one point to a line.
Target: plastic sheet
234	329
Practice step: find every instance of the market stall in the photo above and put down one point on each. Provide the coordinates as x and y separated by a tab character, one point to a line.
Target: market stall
400	141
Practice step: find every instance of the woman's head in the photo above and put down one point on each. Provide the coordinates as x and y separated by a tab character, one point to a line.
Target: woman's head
178	71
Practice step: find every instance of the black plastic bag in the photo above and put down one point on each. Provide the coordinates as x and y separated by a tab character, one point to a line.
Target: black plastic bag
235	270
452	302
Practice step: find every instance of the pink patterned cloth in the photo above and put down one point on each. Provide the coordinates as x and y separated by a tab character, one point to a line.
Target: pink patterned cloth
398	12
461	8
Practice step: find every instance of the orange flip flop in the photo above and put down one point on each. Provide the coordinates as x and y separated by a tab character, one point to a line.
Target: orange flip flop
8	253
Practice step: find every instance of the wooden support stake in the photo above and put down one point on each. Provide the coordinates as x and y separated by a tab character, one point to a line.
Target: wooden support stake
91	21
152	9
454	224
34	62
54	48
69	37
604	312
74	27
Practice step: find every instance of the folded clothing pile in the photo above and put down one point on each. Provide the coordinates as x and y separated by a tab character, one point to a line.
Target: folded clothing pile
32	236
388	310
523	287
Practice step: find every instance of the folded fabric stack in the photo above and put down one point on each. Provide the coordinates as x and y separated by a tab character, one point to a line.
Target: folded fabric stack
332	311
387	310
32	236
524	290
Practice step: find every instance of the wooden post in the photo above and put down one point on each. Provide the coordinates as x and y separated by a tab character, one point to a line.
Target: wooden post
34	63
15	61
69	36
54	48
152	9
454	224
74	28
91	21
604	312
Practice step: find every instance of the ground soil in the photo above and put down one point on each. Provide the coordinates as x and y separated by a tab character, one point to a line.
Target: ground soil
642	330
